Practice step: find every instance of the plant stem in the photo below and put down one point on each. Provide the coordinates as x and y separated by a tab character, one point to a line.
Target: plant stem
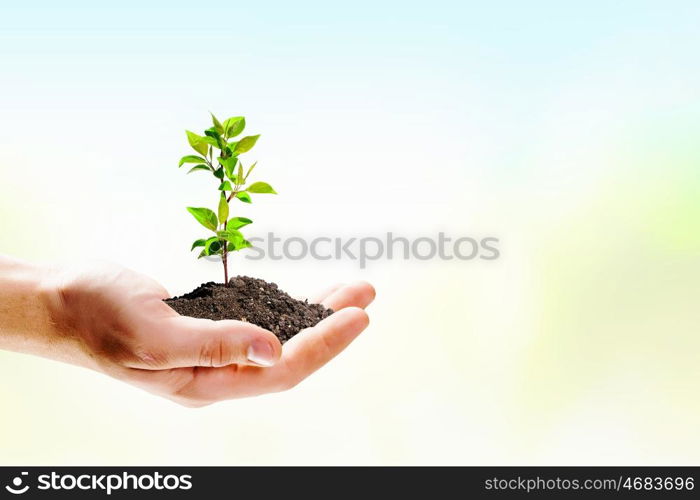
224	251
224	258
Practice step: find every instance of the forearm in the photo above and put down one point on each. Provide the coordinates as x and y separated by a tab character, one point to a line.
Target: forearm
28	309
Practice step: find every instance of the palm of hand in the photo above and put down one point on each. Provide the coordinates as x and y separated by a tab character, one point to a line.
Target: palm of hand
121	326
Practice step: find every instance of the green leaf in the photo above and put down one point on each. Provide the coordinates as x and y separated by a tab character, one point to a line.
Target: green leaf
211	141
199	167
213	246
229	164
198	243
239	245
249	171
204	216
234	126
191	159
233	235
223	209
217	124
197	142
219	173
212	133
246	144
260	187
244	197
225	186
240	172
237	223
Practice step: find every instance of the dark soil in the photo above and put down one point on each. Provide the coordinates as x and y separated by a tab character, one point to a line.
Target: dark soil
252	300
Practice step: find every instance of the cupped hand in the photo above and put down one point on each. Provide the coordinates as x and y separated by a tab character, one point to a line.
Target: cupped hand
116	322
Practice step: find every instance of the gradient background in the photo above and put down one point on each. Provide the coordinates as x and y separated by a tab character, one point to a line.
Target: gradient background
570	132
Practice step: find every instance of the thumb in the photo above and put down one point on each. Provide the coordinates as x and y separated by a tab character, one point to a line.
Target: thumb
203	342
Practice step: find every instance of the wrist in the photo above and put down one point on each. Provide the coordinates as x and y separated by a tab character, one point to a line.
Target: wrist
24	313
32	316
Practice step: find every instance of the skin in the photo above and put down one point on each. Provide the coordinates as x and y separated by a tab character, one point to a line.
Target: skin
112	320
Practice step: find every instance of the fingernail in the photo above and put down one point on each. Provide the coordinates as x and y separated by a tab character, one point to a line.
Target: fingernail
261	353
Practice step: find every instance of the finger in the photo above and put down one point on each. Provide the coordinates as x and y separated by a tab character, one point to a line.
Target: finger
314	347
357	294
185	342
321	296
303	355
162	382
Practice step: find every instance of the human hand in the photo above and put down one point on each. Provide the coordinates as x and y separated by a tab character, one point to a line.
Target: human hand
113	320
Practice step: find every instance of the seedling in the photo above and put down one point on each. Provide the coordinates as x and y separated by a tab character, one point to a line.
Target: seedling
242	298
219	155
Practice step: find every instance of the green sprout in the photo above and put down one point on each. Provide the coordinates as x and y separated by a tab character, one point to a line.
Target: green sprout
231	177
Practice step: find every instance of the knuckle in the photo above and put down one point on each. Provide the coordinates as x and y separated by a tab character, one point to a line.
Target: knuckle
147	357
181	389
215	353
176	381
326	347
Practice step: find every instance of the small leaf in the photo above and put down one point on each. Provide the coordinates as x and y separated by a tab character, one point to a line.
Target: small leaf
229	164
213	134
239	245
204	216
233	236
240	172
213	246
223	209
219	173
225	186
199	167
237	223
211	141
191	159
197	142
260	187
246	144
198	243
234	126
244	197
217	124
249	171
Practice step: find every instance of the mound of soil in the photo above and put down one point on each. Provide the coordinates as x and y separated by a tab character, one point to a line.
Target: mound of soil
253	300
